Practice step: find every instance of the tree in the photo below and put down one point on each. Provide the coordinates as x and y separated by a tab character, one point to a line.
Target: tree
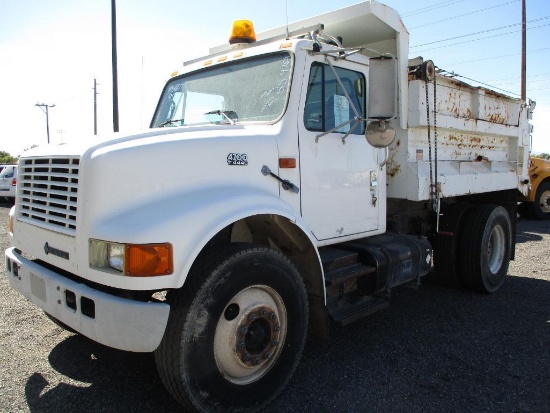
542	155
6	158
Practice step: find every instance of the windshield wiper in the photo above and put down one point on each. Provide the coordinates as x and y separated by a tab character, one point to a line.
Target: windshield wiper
230	115
170	121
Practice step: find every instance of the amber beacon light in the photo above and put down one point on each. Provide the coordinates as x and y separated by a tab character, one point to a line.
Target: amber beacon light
242	32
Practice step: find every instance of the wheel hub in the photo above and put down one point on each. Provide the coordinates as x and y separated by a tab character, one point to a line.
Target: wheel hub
250	334
496	249
258	335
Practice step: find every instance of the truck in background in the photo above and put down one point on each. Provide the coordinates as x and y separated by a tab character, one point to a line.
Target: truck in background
536	204
302	174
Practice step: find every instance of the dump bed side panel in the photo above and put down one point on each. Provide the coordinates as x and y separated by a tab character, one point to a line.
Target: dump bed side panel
482	142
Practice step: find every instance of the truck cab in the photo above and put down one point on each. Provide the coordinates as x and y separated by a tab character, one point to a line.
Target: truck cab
301	175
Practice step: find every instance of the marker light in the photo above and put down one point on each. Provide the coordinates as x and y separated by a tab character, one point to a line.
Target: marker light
11	219
242	32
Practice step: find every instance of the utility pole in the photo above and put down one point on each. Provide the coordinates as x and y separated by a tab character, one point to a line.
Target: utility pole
523	52
114	60
45	108
95	106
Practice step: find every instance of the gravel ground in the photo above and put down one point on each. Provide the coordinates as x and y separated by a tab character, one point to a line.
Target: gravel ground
433	350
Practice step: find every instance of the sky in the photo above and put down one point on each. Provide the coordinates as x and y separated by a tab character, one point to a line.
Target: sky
51	52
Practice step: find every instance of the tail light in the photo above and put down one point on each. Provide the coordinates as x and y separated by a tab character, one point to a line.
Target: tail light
14	182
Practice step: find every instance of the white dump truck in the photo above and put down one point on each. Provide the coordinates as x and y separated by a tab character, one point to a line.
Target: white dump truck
300	175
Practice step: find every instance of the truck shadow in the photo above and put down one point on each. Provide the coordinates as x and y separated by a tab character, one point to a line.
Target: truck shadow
109	380
434	349
531	230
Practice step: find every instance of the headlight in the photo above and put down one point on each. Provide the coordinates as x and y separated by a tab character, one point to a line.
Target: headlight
134	260
115	256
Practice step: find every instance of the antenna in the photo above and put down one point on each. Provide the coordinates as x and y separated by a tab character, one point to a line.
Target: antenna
286	12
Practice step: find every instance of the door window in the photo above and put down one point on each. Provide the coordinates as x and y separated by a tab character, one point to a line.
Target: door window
326	104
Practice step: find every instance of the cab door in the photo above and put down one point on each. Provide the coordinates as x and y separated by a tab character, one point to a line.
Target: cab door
339	174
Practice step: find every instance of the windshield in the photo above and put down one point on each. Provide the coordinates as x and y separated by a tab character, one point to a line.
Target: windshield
251	90
7	172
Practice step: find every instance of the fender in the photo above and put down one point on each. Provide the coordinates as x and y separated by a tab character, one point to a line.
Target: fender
539	172
189	221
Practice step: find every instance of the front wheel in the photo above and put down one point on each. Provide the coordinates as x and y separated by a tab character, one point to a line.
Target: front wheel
236	331
486	248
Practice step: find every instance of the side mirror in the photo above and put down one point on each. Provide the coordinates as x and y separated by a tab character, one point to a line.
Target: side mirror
380	134
382	93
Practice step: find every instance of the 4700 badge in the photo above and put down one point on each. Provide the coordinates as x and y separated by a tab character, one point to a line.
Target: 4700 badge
237	159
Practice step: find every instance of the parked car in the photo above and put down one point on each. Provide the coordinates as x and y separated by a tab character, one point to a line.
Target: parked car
8	181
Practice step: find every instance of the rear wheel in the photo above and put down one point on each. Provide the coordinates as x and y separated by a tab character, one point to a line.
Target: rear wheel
541	205
236	332
486	248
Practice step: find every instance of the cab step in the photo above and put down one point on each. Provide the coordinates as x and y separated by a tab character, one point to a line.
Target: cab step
335	258
341	275
360	309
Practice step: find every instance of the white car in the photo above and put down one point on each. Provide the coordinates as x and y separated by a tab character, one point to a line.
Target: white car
8	181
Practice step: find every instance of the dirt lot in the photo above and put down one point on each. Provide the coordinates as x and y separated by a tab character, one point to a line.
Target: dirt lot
434	350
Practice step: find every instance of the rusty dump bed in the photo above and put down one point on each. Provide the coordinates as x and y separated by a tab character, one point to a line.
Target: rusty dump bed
482	142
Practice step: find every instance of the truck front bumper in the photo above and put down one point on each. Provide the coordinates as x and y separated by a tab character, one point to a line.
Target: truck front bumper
110	320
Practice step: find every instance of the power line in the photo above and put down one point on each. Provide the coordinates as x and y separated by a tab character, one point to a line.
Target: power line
432	7
511	78
482	31
480	38
535	90
462	15
453	74
514	83
497	57
72	97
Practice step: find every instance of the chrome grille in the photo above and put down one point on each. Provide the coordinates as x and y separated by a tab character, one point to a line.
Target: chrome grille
47	190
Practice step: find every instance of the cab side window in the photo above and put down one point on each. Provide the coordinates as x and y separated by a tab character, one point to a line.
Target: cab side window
326	104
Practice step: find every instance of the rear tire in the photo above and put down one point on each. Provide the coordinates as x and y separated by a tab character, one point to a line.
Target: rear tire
236	331
486	248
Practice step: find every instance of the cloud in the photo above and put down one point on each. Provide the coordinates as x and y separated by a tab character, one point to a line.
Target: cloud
59	68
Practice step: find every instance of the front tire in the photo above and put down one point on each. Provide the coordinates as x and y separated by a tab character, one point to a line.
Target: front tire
486	248
236	331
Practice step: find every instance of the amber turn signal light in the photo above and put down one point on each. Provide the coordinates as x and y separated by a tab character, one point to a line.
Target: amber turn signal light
148	260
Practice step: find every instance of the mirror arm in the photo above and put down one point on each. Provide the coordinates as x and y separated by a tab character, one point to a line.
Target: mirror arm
343	88
357	121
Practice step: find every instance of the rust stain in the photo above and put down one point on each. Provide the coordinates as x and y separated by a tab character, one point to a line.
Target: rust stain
497	118
392	170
